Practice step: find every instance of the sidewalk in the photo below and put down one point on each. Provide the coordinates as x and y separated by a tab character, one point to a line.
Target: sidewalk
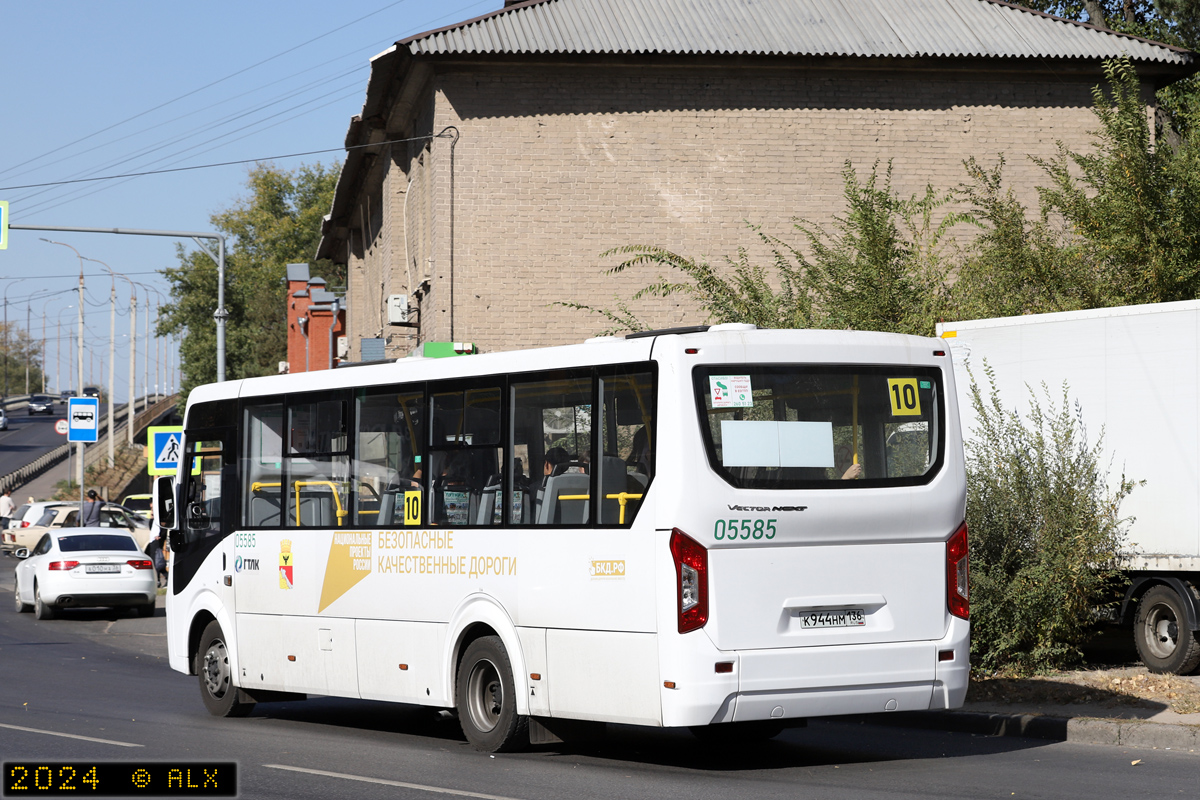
1092	716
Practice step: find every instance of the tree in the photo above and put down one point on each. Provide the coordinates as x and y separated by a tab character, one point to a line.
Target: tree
1174	22
1045	531
880	269
21	350
1134	205
1017	264
278	223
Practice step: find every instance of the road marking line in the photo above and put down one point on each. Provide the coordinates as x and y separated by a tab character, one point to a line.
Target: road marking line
401	784
71	736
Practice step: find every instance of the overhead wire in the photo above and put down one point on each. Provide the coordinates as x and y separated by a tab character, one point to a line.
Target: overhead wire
209	85
181	138
79	193
70	196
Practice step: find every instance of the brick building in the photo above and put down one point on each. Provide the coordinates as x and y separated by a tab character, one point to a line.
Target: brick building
496	159
316	319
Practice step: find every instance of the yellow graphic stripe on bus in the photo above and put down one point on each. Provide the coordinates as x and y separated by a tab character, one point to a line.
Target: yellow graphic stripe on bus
348	563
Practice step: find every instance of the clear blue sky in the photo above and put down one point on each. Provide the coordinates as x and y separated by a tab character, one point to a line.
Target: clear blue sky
97	89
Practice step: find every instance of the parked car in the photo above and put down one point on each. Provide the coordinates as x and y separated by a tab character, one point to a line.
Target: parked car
3	419
67	516
91	391
26	515
85	567
40	404
66	395
140	504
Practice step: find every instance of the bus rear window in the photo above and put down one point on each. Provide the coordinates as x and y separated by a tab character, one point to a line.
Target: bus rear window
818	426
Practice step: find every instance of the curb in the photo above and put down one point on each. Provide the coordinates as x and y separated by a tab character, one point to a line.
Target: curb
1082	730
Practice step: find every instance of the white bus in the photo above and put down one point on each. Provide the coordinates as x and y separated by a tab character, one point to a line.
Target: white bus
729	529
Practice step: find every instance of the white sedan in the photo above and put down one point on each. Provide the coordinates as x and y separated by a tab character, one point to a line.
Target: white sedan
84	567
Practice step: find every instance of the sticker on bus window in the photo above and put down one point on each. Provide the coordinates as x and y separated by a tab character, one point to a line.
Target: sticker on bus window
457	507
731	391
902	392
412	508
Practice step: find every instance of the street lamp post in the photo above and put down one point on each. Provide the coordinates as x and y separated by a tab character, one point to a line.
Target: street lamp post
79	466
112	358
220	315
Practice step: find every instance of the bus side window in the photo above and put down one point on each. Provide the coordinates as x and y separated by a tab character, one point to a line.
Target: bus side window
552	441
465	458
389	468
316	494
204	483
262	466
628	441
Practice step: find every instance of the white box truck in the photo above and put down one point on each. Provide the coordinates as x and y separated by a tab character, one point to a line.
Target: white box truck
1135	370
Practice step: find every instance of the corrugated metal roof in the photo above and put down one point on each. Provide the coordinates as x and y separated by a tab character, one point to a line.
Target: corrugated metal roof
895	28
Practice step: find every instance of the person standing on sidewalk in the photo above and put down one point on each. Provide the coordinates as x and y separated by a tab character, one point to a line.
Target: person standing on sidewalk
6	509
91	511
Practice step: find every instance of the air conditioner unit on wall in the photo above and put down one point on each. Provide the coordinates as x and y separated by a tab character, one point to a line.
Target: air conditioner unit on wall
397	309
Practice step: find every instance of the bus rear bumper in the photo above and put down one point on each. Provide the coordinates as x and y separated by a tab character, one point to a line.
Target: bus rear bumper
802	682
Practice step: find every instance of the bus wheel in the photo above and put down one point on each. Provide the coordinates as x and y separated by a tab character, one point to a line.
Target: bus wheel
216	679
487	699
737	733
1161	632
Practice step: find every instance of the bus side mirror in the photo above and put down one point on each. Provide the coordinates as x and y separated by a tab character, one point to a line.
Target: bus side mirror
164	502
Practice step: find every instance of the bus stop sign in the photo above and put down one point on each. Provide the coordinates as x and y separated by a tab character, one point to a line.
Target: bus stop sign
83	417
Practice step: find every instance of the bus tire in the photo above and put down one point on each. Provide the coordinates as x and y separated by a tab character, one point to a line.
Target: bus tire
738	733
42	609
216	677
487	699
1160	630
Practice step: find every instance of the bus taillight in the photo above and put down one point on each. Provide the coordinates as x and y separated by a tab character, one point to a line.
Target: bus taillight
957	574
691	569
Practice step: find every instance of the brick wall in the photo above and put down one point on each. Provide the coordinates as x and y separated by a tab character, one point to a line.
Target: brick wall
555	166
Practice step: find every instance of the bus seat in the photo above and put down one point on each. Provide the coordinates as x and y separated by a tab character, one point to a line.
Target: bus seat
485	514
556	511
264	507
317	509
615	481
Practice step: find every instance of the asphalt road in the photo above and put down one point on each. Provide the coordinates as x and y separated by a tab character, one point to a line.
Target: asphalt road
96	685
28	438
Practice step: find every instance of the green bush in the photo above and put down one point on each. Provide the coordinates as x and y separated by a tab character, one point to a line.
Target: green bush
1044	532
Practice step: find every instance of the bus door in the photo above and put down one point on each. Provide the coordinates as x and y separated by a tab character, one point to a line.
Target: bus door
201	549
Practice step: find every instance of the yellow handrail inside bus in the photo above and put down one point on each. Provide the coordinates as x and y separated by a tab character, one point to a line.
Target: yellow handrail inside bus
337	500
622	498
854	420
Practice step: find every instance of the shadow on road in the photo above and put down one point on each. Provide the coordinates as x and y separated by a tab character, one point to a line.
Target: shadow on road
825	742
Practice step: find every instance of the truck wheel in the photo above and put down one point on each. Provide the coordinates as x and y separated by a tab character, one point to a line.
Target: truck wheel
1161	633
216	678
42	609
487	699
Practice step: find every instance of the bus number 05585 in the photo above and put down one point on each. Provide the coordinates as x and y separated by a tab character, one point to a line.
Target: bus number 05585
744	529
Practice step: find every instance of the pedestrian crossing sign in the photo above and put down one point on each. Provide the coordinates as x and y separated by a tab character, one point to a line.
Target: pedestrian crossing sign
164	448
